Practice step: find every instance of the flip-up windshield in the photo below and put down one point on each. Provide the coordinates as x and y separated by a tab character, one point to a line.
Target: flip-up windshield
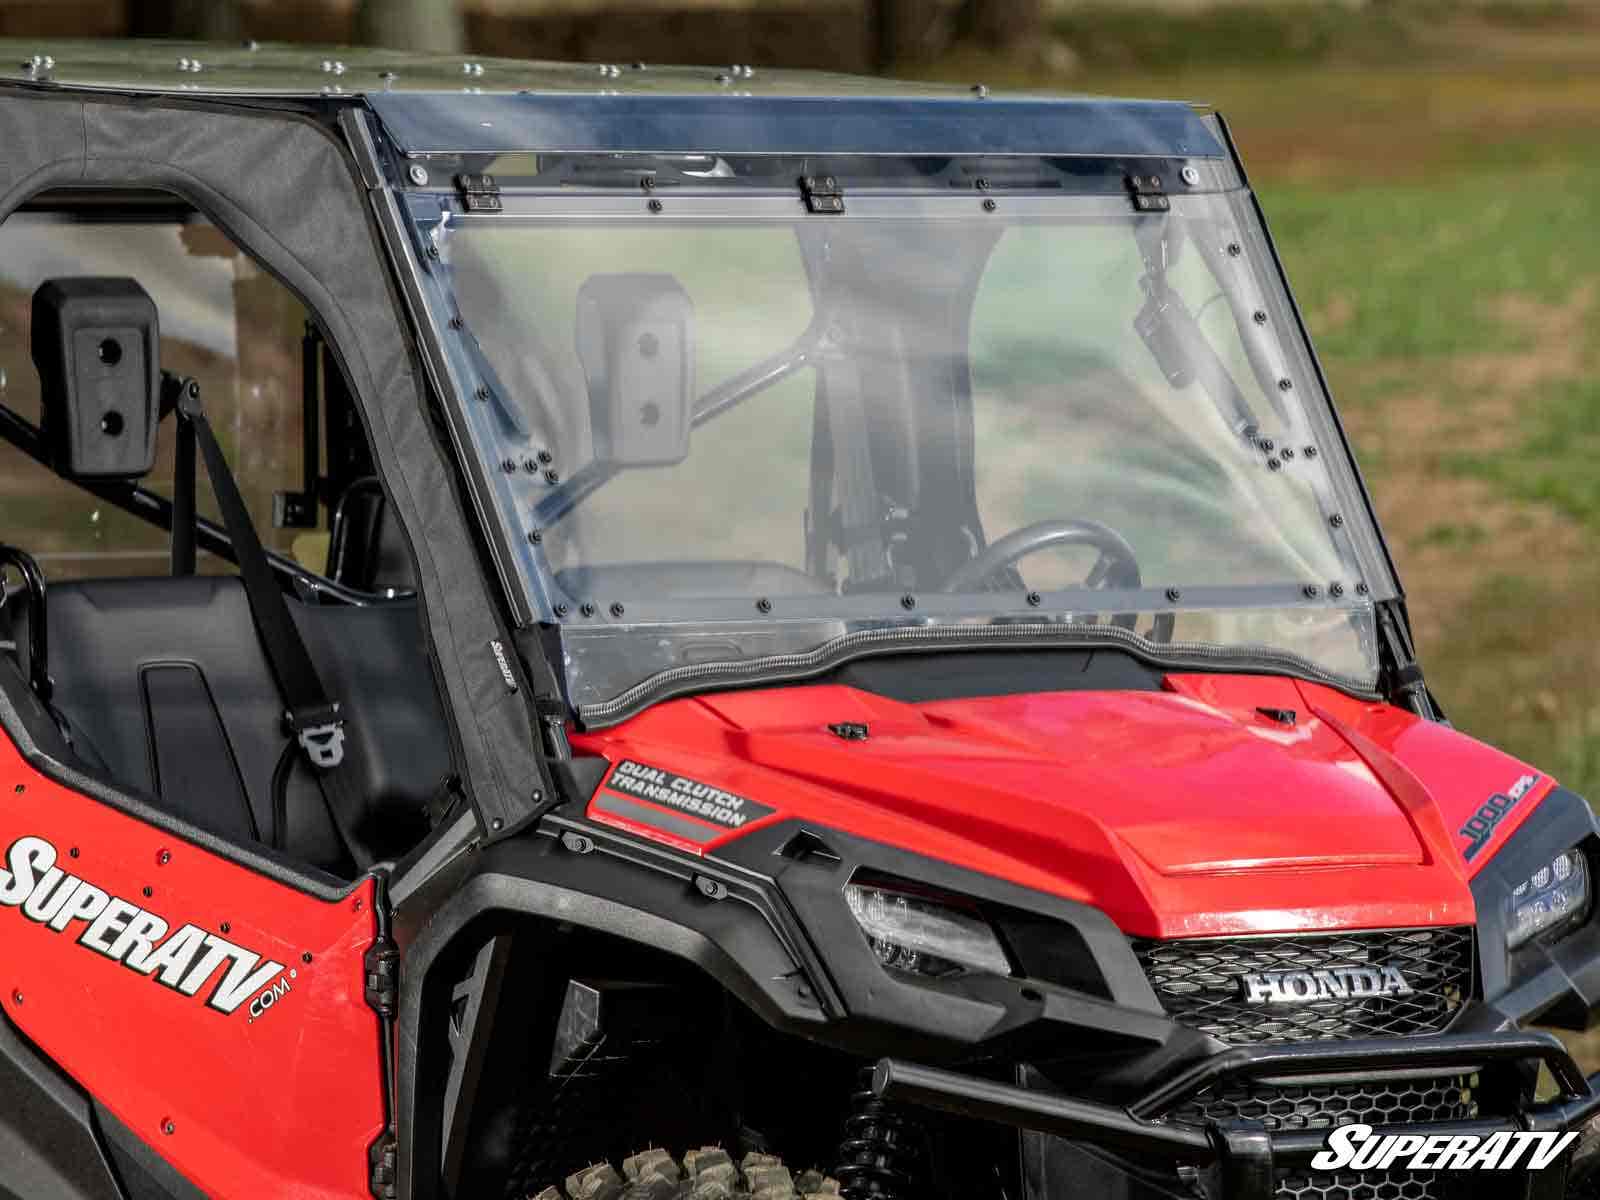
725	433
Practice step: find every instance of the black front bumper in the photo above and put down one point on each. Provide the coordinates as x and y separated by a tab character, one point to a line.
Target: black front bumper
1240	1160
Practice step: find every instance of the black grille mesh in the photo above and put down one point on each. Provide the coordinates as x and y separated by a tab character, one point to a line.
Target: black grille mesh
1197	981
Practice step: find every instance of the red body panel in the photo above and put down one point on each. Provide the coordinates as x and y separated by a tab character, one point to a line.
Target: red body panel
1184	812
283	1103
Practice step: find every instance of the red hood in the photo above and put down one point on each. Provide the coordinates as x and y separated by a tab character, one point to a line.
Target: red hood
1180	812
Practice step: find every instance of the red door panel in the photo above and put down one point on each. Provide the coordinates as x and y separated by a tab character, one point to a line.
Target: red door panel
219	1014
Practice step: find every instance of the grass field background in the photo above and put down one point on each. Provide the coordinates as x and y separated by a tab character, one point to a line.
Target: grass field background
1432	173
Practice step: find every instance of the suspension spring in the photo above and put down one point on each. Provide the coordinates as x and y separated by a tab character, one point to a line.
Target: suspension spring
883	1152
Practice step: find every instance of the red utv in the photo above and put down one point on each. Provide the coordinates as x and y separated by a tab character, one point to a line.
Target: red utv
616	632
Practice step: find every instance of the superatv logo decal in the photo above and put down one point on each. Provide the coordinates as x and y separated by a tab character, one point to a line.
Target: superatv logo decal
1480	827
685	795
185	959
1354	1148
1335	983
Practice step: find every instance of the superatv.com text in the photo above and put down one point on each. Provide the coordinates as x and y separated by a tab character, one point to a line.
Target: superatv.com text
1354	1148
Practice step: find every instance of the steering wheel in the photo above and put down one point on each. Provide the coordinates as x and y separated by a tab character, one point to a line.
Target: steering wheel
1116	567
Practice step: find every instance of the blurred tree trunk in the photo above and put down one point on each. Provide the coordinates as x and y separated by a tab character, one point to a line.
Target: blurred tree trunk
430	25
202	20
1004	24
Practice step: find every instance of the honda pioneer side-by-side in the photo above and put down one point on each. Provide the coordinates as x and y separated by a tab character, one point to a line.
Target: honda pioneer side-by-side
623	633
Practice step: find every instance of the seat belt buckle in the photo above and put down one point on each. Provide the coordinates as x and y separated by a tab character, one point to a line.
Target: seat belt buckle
320	732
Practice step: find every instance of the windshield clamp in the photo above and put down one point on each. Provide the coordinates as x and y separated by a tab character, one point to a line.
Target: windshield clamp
1149	194
822	194
479	192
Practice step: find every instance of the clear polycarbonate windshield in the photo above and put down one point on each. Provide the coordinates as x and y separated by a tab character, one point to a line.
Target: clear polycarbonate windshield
723	431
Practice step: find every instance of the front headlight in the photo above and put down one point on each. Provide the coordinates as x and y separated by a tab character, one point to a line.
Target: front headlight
921	936
1555	894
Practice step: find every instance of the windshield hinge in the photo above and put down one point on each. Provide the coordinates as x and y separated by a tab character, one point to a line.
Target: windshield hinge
479	192
1149	195
822	194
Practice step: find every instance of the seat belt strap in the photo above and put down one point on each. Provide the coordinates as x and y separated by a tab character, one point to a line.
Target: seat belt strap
315	721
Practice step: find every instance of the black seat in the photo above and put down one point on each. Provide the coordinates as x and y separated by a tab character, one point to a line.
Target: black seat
164	681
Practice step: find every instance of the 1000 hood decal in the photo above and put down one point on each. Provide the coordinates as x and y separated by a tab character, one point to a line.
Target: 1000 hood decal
185	959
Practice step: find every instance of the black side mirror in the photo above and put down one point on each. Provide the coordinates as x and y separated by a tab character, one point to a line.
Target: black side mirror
96	344
635	337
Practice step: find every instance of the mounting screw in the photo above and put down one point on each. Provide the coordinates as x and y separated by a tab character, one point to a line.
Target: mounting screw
1286	385
74	852
530	465
711	889
1336	589
764	605
358	904
616	608
163	857
908	601
989	204
306	957
1267	445
497	824
1361	589
418	173
1288	453
1234	249
226	927
433	250
981	91
546	457
456	322
1311	591
149	891
576	842
509	466
483	391
1259	317
1310	451
16	997
981	183
562	610
654	206
1336	520
1191	176
647	182
1034	599
20	788
535	536
168	1127
1174	595
1274	465
587	610
552	476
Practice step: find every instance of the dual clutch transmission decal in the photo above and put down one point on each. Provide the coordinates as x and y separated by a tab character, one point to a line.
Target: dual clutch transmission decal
674	804
184	959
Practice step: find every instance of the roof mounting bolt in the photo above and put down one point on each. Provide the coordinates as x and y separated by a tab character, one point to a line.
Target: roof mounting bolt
763	605
327	66
711	889
251	45
1259	317
546	457
1267	445
1190	176
1310	452
418	174
433	250
456	322
1034	599
647	182
586	609
724	79
50	62
1286	385
981	183
1336	520
1274	465
1234	249
183	63
562	610
530	465
1288	453
483	391
472	68
981	91
1336	589
1174	595
509	466
1311	591
989	204
167	1126
577	843
535	536
655	206
616	608
1361	589
908	602
637	66
552	477
388	76
338	67
749	71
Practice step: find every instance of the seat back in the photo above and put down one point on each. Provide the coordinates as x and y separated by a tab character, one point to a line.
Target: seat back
165	680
